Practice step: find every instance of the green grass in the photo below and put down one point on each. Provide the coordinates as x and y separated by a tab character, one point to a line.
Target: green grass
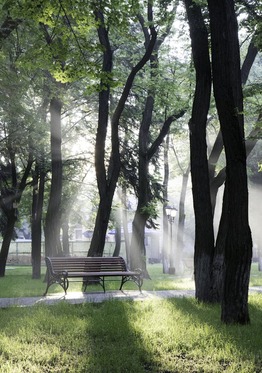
18	283
178	335
162	336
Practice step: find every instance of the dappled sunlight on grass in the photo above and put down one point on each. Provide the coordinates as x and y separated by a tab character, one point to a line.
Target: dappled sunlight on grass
175	335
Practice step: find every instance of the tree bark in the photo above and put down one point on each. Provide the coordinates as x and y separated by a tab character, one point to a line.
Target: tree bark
125	224
165	248
36	224
229	102
117	238
9	204
204	234
8	235
217	180
53	216
106	186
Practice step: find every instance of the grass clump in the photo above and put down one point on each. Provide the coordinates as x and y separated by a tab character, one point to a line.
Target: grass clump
175	335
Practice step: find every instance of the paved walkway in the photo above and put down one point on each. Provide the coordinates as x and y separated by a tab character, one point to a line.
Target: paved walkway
79	297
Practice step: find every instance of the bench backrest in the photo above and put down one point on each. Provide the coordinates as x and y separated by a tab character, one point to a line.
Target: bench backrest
85	264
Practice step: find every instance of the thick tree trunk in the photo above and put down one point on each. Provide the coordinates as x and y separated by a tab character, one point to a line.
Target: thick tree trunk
138	250
204	235
229	102
10	198
53	216
101	224
219	179
117	238
8	235
36	225
125	212
165	249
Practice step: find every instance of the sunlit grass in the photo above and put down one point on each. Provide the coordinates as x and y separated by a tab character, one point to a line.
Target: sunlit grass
178	335
163	336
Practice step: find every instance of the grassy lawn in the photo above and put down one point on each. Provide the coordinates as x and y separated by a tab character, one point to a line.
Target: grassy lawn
18	282
178	335
161	336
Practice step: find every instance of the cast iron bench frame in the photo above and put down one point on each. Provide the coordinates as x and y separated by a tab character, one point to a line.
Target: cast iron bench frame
90	269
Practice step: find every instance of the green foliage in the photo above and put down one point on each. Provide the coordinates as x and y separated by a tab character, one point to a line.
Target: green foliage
150	210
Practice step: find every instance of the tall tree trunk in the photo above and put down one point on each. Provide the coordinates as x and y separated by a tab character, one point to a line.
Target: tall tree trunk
146	152
117	238
217	180
204	234
8	236
9	200
107	180
229	102
165	248
36	224
218	263
181	220
53	216
101	224
125	211
106	186
138	249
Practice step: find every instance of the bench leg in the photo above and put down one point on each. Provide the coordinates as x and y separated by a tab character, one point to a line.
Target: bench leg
103	284
46	290
137	280
64	283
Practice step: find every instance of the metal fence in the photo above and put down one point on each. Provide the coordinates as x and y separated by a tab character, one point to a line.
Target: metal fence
20	250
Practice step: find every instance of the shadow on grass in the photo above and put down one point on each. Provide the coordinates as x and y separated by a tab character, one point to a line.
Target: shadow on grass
244	340
115	345
81	338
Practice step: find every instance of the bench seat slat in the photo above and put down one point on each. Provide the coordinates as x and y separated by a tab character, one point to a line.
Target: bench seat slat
101	274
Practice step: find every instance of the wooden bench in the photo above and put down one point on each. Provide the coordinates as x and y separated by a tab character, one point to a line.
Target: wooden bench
90	269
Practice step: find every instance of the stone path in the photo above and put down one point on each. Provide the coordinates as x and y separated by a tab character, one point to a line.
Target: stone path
79	297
